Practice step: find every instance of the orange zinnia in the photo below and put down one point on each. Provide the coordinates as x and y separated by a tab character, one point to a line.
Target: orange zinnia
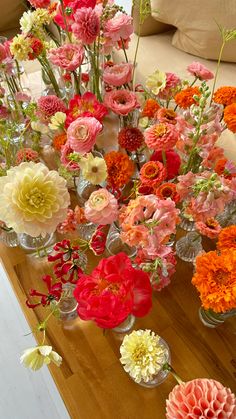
150	108
215	279
119	168
230	117
184	99
58	141
227	238
225	95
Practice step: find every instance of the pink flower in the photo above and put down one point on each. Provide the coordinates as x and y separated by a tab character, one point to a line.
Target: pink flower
210	228
71	6
172	81
3	53
4	113
48	106
69	56
185	183
118	74
173	162
161	136
200	71
87	25
82	133
101	207
121	102
42	4
70	165
119	27
201	398
22	97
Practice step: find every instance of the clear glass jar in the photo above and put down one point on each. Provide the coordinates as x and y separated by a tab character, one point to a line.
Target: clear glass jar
86	230
211	319
39	246
126	325
68	305
186	224
9	238
130	120
188	247
115	245
84	189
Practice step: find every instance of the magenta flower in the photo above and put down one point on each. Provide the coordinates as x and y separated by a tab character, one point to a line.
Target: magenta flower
82	134
200	71
87	25
69	56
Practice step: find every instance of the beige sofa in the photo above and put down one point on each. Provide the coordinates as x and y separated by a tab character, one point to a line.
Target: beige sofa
11	11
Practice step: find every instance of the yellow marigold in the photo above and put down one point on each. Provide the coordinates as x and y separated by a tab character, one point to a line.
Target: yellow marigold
184	99
150	108
58	141
20	47
230	117
227	238
225	95
215	279
119	168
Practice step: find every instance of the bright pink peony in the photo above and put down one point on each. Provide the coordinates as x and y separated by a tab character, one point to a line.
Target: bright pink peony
121	102
70	165
86	26
82	134
85	105
173	162
48	106
119	27
42	4
69	56
118	74
101	207
201	398
112	291
200	71
161	136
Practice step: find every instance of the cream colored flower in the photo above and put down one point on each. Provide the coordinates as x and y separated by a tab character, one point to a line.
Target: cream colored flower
39	127
143	122
57	121
156	82
142	355
20	47
26	22
93	169
41	17
34	200
35	358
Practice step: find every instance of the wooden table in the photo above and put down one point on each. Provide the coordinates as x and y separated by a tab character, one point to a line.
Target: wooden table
91	379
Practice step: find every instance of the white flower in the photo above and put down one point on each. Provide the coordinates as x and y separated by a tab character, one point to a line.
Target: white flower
57	121
156	82
34	199
35	358
26	22
93	169
39	127
143	355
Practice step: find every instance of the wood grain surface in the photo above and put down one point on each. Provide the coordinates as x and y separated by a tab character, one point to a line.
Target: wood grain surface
91	379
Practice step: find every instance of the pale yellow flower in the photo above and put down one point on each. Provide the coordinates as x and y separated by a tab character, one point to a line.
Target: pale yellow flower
93	169
35	358
20	47
41	17
57	121
34	200
143	355
143	122
26	22
156	82
39	127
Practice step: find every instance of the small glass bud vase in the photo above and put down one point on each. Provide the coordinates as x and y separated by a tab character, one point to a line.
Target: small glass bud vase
188	247
211	319
68	305
9	238
39	246
130	120
84	189
126	325
115	245
186	224
86	230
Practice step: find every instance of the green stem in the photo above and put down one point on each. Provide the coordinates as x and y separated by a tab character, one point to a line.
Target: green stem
125	53
217	69
168	367
65	21
193	150
77	84
163	157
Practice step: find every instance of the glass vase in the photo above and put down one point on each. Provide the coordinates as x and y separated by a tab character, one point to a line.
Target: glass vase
188	247
186	224
130	120
211	319
84	189
39	246
9	238
86	230
68	305
126	325
115	245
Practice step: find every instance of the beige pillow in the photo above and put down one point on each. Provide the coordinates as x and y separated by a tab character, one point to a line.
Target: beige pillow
197	32
10	15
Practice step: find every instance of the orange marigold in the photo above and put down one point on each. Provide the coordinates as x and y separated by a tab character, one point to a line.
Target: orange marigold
215	279
227	238
150	108
184	99
225	95
230	117
119	168
58	141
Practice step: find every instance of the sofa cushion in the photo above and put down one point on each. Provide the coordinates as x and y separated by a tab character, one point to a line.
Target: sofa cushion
197	31
10	15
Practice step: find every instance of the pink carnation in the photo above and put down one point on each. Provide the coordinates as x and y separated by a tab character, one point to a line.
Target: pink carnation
87	25
119	27
200	71
101	207
42	4
70	165
48	106
118	74
121	102
82	133
69	56
161	136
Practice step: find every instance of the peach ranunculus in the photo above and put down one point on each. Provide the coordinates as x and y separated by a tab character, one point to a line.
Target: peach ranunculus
121	102
119	27
118	74
69	56
82	134
101	207
200	71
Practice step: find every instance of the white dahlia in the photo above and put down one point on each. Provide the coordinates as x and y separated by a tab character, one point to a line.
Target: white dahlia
34	199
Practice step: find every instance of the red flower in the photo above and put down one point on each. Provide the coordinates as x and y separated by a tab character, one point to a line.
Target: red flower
168	190
113	291
130	138
70	7
86	105
69	266
36	46
97	242
54	293
173	162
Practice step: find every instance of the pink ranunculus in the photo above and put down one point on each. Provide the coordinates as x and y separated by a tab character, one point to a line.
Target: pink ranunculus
42	4
119	27
118	74
70	165
101	207
82	133
121	102
87	25
161	136
48	106
200	71
69	56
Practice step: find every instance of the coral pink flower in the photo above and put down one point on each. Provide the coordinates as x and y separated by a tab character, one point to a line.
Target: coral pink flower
69	56
152	173
85	105
161	136
42	4
101	207
119	27
82	134
211	228
70	165
201	398
4	112
48	106
172	81
173	162
200	71
87	25
118	74
112	291
121	102
27	154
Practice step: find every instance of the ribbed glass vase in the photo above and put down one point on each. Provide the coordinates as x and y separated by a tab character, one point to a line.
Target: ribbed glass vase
211	319
188	247
39	246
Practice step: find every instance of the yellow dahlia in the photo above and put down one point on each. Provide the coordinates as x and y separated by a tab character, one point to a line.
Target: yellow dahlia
34	200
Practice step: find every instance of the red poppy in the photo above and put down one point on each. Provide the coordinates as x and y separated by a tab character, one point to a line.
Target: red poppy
54	293
112	291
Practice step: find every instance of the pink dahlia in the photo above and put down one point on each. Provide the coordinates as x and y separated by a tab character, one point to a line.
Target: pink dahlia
201	398
121	102
42	4
48	106
85	105
27	154
82	134
119	27
70	165
161	136
200	71
87	25
118	74
69	56
101	207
